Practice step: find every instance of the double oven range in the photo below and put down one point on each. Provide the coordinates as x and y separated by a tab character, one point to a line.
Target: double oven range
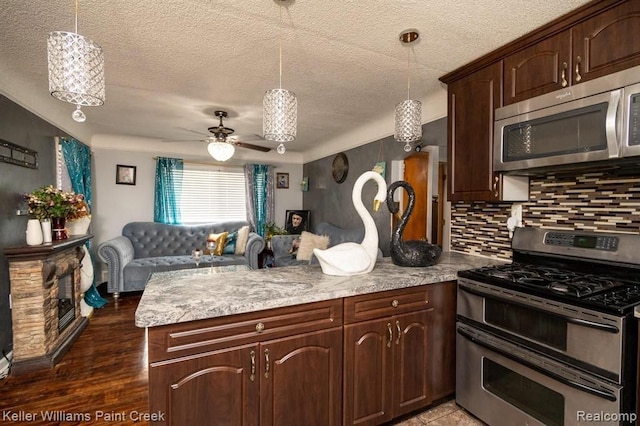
551	338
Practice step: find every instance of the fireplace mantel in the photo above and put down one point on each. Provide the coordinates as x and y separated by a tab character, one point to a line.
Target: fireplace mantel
43	250
45	302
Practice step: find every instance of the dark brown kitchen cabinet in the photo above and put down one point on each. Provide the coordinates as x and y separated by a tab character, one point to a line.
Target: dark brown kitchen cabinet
397	350
602	44
607	42
539	69
276	367
472	102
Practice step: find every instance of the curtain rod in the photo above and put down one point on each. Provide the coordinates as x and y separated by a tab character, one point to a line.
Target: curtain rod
202	163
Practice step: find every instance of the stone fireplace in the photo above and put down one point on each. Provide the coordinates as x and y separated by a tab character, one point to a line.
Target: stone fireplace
45	302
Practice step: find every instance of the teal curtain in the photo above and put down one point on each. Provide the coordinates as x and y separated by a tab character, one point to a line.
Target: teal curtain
168	190
77	158
260	193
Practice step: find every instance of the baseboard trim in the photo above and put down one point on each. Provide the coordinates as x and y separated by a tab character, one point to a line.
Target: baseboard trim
5	364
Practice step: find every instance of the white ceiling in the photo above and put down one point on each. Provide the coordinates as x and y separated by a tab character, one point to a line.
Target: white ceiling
170	63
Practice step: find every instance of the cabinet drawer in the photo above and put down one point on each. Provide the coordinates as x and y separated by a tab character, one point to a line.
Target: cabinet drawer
378	305
190	338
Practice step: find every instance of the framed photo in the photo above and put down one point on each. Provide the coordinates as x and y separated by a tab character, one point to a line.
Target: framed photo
297	221
282	180
125	175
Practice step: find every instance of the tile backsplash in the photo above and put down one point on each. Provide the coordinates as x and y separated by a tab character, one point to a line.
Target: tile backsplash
606	201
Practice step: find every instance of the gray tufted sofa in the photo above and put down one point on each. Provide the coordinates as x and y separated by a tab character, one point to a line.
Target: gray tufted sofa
281	244
147	247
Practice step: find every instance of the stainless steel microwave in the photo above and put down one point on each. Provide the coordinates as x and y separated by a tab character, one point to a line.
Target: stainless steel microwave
592	121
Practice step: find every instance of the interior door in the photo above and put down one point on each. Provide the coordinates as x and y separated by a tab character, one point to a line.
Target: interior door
416	173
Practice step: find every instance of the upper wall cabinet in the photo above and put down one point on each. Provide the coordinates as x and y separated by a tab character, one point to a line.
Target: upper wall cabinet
541	68
602	44
596	39
472	101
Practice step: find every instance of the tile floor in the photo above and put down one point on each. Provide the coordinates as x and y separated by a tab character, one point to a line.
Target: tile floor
445	414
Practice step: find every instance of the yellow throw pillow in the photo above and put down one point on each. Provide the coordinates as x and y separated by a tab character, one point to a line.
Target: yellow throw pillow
308	242
220	240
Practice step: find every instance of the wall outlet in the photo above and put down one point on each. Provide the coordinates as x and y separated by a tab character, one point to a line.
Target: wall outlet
516	213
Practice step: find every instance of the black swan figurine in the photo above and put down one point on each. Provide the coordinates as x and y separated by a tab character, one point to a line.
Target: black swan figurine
414	252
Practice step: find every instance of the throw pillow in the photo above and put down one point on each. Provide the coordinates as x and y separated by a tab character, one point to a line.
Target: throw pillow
243	237
308	242
230	243
219	239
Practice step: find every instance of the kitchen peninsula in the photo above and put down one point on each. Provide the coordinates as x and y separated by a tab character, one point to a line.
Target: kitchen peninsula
295	346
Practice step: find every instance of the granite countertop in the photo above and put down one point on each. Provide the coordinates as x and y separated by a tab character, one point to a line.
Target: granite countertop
188	295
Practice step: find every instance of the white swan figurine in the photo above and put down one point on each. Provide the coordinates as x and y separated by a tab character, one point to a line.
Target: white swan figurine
353	258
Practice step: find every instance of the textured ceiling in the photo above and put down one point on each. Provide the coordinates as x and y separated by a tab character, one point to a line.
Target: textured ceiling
170	64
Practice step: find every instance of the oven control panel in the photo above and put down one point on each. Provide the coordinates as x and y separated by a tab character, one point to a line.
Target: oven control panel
599	242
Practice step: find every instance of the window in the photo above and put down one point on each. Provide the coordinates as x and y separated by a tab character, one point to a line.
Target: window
212	195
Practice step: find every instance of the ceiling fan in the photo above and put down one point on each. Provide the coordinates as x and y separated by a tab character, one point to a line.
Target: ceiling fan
222	144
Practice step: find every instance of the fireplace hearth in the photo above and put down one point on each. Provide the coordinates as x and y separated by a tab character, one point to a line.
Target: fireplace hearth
45	295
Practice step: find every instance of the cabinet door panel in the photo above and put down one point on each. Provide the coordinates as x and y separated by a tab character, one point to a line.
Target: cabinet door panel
210	388
541	68
368	372
411	352
607	42
303	384
472	102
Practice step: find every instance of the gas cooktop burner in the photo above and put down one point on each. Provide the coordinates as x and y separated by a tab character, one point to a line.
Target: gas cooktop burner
551	279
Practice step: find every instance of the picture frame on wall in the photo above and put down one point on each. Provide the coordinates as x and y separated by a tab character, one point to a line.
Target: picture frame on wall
282	180
297	221
125	175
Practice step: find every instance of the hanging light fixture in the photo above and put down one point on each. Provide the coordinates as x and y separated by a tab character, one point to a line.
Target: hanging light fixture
219	148
408	114
280	107
76	70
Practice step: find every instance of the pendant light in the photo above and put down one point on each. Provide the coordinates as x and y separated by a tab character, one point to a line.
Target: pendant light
76	70
408	114
280	107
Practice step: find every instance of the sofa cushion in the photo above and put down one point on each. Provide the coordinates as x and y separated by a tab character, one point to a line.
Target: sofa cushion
137	272
230	243
241	242
308	242
220	240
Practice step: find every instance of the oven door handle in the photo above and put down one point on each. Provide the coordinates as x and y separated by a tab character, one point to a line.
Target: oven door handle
586	323
597	392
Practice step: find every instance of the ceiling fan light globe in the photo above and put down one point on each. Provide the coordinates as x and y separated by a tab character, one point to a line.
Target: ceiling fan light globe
221	151
280	115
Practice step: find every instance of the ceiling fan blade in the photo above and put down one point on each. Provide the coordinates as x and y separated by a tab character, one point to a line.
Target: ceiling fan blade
251	146
193	131
181	140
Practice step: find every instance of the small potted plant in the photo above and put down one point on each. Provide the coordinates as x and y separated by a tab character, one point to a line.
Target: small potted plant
55	204
271	229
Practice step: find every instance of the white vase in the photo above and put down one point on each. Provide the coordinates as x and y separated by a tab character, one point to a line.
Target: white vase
34	232
46	230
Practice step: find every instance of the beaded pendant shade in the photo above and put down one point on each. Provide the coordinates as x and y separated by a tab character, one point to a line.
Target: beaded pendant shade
76	70
220	149
408	114
280	107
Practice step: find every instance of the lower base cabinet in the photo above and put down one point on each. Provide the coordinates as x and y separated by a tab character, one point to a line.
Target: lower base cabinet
386	370
362	360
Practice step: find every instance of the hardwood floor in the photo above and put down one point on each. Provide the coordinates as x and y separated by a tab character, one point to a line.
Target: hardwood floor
103	380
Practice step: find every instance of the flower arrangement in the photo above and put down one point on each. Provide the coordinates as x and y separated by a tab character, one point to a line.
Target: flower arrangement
49	202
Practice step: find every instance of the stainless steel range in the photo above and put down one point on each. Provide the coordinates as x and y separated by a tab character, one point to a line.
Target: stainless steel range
550	339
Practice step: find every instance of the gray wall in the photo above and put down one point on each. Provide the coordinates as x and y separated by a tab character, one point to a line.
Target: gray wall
331	202
19	126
